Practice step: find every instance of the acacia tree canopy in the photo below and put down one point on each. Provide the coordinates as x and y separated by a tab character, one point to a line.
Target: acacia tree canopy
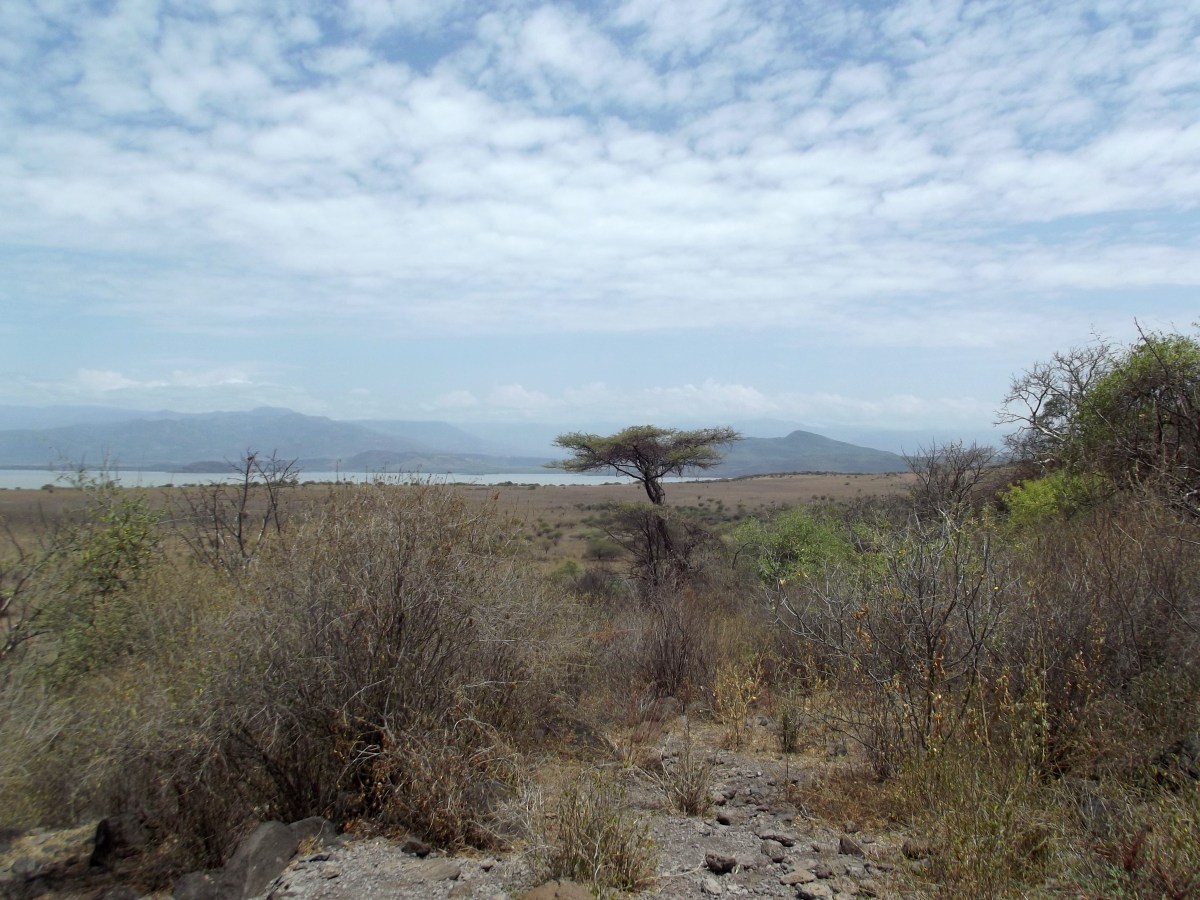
645	453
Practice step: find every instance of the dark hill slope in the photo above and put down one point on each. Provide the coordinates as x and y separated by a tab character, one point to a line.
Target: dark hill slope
803	451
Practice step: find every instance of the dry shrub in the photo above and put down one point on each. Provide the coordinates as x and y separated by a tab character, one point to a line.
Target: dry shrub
642	653
981	665
909	633
736	685
593	838
1156	852
30	722
994	829
382	659
1111	630
679	643
449	784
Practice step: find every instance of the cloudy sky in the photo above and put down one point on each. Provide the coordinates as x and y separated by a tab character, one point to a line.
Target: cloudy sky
592	212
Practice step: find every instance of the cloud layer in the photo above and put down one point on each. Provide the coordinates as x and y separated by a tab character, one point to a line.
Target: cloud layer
921	174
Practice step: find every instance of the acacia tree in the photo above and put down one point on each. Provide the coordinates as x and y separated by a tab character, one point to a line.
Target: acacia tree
645	453
648	454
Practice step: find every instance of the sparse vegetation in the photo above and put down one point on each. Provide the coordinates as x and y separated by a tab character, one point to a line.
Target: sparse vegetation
594	839
1010	653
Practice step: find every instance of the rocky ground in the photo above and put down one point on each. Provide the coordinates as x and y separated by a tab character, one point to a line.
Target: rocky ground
757	840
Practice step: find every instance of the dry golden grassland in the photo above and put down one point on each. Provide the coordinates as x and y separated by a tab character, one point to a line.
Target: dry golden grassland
546	510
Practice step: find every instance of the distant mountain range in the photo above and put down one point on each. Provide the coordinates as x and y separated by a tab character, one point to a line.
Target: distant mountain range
209	442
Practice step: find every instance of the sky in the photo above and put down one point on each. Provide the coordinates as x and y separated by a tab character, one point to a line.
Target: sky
636	211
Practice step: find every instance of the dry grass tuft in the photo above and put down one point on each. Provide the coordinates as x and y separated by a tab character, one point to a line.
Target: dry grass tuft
593	838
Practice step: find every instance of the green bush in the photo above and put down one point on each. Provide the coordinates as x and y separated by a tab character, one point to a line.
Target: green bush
795	544
1052	497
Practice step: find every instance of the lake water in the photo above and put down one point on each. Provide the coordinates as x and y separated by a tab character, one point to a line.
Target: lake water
36	478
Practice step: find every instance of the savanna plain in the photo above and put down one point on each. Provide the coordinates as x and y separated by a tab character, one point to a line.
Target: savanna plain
980	678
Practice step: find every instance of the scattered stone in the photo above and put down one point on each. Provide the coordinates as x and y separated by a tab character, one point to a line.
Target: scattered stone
26	867
848	846
443	869
720	863
824	870
780	837
463	889
843	885
415	847
800	876
724	817
330	870
557	890
817	890
710	885
914	848
867	887
773	850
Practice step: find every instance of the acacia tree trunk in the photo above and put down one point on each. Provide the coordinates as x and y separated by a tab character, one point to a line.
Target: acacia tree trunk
658	496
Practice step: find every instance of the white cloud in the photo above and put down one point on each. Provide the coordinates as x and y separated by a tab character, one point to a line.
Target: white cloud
927	174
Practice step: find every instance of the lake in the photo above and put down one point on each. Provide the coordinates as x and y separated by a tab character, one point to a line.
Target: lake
32	479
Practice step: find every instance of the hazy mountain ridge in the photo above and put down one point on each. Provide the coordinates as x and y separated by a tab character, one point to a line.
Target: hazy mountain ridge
209	442
804	451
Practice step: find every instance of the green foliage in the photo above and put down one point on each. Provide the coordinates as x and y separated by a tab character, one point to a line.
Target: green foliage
91	568
1058	495
795	544
1140	417
1132	415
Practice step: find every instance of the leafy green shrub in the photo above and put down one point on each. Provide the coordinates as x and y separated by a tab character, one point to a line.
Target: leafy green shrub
1056	496
71	594
795	544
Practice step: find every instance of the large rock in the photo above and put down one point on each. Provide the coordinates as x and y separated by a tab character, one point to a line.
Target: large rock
211	885
260	859
257	861
118	837
317	829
